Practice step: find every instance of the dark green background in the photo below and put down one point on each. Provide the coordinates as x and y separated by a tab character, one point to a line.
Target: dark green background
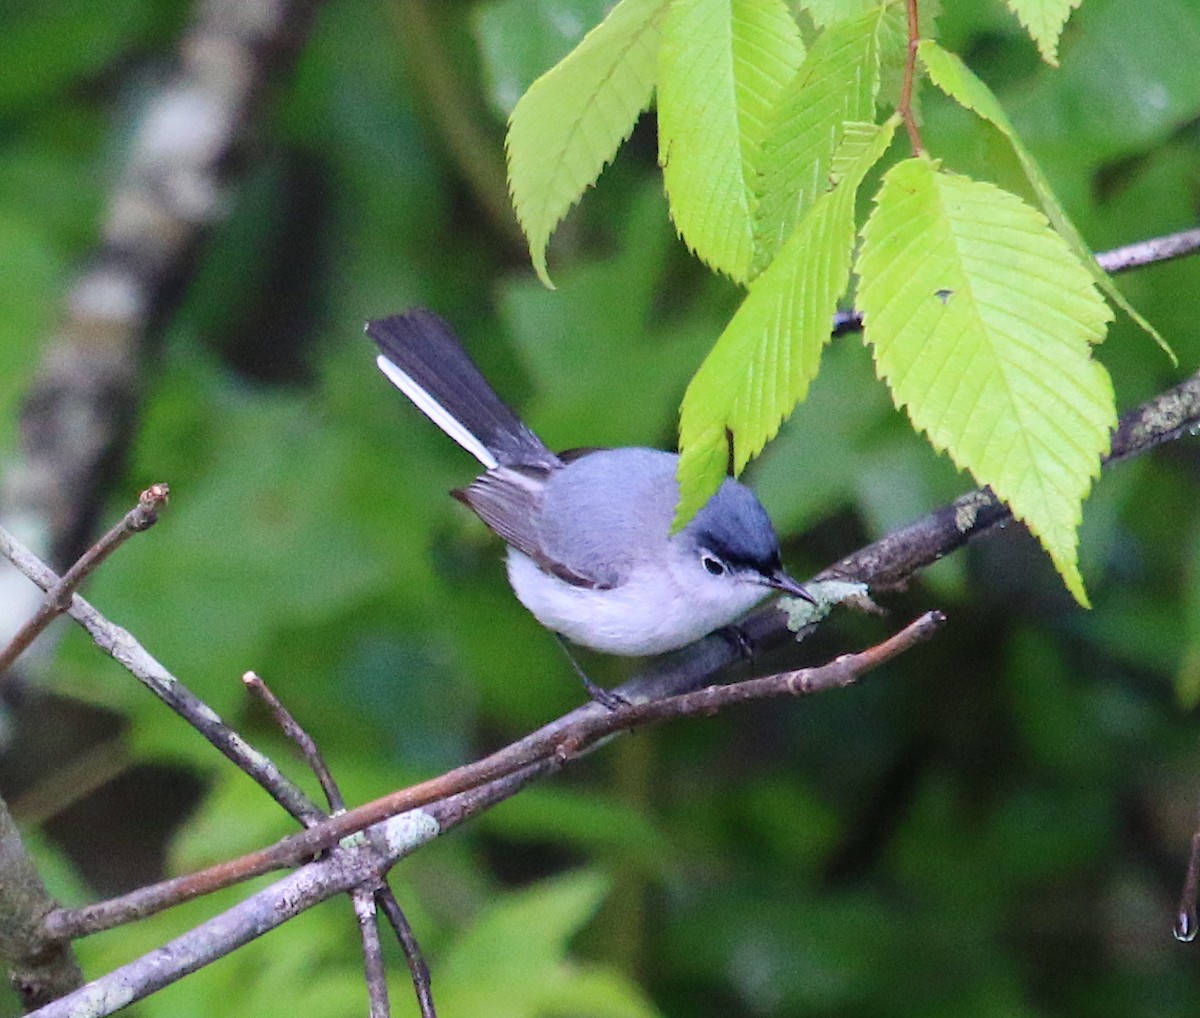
994	825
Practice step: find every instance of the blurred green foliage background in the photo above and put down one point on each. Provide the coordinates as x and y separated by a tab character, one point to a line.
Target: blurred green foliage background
994	825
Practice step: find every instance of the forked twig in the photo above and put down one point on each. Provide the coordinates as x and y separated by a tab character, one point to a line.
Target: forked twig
372	893
58	598
128	652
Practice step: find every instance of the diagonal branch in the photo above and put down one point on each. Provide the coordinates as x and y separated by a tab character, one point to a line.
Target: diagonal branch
357	862
367	899
126	651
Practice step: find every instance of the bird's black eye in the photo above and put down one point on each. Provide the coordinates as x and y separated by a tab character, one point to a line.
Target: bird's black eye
713	564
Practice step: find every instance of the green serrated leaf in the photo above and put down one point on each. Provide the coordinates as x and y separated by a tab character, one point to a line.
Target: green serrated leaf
981	320
954	78
837	83
762	364
893	39
1044	21
703	465
571	122
826	12
722	65
893	56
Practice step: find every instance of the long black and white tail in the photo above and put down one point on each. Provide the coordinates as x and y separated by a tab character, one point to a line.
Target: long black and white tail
423	358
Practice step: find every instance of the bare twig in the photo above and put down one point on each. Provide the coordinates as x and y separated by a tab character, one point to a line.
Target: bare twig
841	671
570	736
304	742
317	882
287	898
373	967
1150	252
355	863
1170	415
417	968
124	649
58	598
365	898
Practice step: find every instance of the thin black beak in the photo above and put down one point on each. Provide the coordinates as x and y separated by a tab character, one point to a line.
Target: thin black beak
779	580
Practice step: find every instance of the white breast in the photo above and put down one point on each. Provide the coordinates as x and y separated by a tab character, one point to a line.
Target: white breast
647	614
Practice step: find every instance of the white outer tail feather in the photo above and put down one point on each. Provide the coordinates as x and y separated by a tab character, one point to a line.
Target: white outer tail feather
437	413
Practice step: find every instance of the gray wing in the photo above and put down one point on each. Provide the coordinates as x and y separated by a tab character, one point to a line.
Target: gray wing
509	500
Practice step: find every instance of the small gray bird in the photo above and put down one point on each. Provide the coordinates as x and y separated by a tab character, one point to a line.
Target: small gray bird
590	548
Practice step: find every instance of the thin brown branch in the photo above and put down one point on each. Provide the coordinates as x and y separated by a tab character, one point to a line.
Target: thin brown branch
346	866
566	739
58	598
304	742
417	968
339	873
841	671
905	106
364	897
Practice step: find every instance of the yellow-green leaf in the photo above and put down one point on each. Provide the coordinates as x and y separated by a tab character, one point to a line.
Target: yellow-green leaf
721	66
837	83
762	364
826	12
571	122
1044	21
981	321
954	78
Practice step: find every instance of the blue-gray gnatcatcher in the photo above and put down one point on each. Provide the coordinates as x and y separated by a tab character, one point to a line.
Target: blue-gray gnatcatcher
590	548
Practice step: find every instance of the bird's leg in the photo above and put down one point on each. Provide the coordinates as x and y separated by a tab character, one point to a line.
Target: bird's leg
738	639
602	696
